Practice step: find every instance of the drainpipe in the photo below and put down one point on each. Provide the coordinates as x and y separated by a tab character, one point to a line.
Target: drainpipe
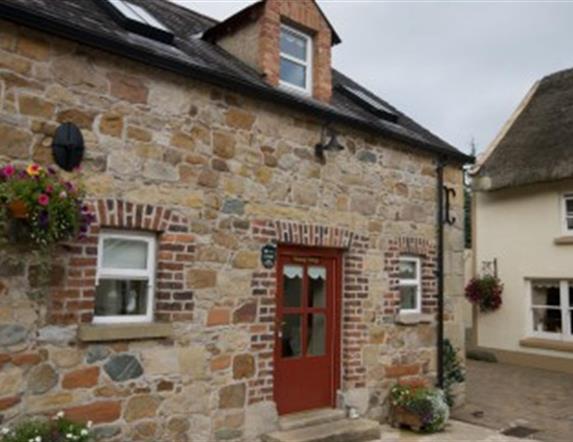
440	272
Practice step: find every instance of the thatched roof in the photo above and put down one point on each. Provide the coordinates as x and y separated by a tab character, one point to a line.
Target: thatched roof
537	143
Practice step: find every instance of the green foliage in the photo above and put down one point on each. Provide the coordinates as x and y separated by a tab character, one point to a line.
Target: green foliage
453	371
429	404
55	430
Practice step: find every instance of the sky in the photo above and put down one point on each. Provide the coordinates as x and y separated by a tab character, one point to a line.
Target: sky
458	68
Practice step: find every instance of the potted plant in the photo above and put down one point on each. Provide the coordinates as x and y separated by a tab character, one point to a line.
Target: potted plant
485	291
39	209
58	429
419	408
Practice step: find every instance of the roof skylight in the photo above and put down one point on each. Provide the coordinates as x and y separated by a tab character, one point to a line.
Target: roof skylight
137	19
372	104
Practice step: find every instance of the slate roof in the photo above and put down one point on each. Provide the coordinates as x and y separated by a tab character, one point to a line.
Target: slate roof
87	22
537	144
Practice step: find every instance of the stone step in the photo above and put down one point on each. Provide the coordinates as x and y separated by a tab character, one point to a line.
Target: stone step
309	418
344	430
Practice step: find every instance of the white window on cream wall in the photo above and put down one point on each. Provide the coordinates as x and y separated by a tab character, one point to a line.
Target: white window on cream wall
550	313
567	213
295	60
125	278
410	285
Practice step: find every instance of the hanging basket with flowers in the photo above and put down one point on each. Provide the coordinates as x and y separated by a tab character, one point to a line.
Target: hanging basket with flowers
40	208
485	292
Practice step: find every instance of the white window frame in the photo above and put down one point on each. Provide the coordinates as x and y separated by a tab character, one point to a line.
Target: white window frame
566	311
306	63
415	282
133	274
564	198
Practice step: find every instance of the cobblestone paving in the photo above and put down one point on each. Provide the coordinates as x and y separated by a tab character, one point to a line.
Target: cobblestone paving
455	431
501	396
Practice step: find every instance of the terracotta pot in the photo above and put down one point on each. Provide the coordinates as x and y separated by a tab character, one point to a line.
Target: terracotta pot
18	209
400	416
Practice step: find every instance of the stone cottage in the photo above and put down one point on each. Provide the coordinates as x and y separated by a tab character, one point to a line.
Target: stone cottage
265	237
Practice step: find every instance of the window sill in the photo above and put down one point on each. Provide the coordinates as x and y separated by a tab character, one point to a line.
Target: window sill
563	240
124	332
547	344
413	318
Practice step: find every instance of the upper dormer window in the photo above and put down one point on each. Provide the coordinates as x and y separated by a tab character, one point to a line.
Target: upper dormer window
296	60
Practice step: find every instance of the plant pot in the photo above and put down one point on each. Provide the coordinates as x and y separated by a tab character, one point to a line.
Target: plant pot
402	417
18	209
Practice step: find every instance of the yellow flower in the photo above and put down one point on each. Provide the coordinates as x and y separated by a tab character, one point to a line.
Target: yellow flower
34	169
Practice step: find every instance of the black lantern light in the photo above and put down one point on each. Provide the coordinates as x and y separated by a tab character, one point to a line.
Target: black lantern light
333	145
68	146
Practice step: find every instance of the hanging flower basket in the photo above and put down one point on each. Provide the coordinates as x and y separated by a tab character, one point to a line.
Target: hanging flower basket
42	207
420	409
485	292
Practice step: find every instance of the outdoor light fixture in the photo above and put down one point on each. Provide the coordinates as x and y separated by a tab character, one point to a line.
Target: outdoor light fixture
331	145
68	146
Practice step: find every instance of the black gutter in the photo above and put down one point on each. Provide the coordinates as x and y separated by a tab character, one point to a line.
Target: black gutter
441	218
228	81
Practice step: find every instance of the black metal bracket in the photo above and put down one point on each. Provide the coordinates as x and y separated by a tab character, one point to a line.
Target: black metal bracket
449	192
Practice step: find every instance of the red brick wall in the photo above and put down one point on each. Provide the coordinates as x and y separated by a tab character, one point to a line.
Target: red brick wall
306	15
74	300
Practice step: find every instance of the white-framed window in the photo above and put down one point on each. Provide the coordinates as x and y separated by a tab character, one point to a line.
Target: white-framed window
410	284
125	278
550	313
295	60
567	213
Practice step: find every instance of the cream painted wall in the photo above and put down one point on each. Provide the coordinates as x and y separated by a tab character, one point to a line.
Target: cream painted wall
518	227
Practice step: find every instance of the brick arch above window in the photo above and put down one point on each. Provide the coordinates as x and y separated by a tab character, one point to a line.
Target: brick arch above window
74	300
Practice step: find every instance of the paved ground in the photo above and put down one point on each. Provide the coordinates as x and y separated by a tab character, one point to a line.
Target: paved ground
501	396
455	431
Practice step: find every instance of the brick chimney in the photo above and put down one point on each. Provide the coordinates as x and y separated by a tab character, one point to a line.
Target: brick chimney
253	35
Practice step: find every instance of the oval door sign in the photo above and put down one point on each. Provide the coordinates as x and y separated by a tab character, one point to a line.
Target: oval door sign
269	255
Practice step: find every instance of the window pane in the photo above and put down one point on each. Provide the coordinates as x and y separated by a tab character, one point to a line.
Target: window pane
317	287
292	286
547	320
121	297
569	206
408	297
293	45
124	254
408	269
570	295
291	336
293	73
316	335
546	293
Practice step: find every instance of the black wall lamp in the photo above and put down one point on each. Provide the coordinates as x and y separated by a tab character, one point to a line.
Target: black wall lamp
68	146
328	142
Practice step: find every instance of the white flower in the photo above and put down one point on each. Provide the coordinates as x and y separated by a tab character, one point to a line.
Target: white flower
5	430
60	414
89	424
38	439
69	436
84	432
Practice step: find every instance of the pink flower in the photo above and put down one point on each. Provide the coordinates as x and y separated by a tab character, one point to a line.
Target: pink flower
49	188
8	171
43	199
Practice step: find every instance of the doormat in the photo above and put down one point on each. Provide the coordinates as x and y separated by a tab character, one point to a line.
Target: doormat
519	431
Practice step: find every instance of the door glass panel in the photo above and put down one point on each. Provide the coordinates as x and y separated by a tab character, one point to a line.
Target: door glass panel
291	329
292	286
316	345
408	297
317	286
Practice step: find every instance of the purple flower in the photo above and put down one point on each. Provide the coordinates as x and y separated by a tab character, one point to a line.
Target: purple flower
44	219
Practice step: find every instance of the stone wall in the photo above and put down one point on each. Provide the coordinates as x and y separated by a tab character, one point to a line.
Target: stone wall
216	175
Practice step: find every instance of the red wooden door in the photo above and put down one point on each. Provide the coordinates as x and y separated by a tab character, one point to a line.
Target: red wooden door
307	329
